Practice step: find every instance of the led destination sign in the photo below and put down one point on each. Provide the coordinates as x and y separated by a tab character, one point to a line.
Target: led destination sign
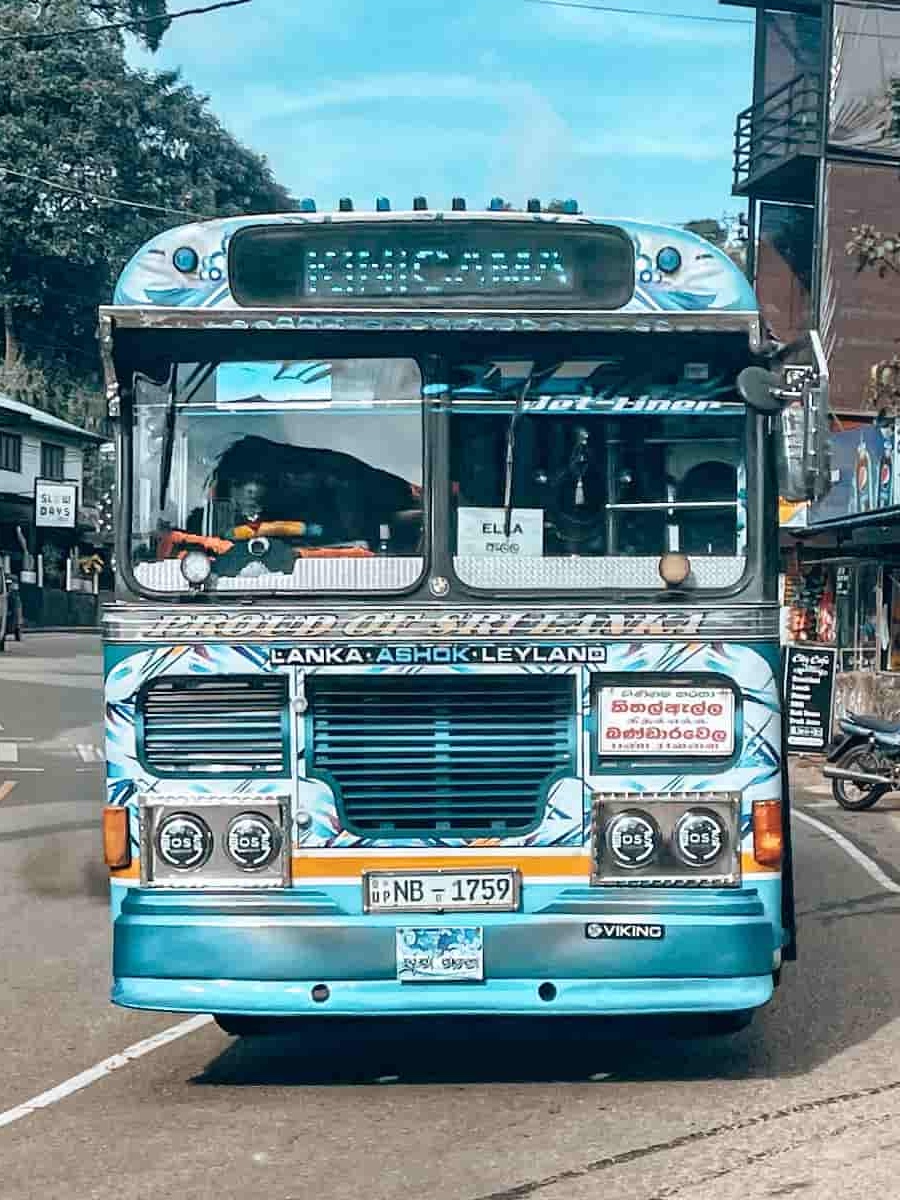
518	264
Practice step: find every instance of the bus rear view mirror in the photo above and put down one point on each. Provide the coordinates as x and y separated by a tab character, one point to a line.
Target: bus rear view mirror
801	427
758	388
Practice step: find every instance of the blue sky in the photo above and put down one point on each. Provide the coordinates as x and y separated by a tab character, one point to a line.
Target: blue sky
631	115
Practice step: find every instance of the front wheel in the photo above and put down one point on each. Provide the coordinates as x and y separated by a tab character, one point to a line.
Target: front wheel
724	1023
856	797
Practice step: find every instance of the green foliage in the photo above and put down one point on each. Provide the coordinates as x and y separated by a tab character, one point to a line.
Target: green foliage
72	112
136	10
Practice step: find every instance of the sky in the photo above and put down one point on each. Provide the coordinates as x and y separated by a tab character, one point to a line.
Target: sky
632	116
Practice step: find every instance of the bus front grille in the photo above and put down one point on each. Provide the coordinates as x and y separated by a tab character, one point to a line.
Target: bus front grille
220	725
461	755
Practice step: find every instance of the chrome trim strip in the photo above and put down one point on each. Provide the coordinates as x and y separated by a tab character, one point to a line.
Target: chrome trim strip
435	320
146	623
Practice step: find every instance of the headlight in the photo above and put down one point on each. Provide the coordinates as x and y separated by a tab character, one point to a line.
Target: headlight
252	841
699	838
196	567
632	839
184	841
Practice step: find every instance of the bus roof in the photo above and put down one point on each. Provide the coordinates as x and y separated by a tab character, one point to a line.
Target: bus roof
680	280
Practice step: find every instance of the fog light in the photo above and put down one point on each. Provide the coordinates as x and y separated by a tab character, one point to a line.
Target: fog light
699	838
196	567
186	260
674	569
668	260
252	841
184	841
633	839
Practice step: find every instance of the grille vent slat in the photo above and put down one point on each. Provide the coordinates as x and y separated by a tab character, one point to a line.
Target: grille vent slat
231	725
443	753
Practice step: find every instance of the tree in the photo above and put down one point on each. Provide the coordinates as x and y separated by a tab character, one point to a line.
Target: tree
136	10
49	15
73	114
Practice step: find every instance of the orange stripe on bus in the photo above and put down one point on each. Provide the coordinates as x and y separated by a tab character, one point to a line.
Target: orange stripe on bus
131	872
335	865
749	866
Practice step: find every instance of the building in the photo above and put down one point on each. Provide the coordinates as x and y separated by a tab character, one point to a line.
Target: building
817	157
34	445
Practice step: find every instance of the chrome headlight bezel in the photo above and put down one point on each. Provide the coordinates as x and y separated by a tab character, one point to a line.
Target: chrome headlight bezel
218	812
667	811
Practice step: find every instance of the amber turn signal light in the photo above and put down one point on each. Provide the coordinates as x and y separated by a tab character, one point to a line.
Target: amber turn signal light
116	841
768	834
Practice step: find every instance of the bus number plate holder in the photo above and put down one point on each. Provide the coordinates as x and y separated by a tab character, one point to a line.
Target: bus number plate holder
441	891
440	955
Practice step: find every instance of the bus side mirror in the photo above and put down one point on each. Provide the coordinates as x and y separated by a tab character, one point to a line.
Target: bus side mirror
798	400
758	389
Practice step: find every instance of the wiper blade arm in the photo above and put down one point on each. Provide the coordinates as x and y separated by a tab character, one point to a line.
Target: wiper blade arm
194	382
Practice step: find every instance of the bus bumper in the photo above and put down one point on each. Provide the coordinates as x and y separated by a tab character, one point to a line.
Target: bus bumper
267	955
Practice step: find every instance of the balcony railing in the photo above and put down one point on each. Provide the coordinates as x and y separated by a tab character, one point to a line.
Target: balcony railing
783	127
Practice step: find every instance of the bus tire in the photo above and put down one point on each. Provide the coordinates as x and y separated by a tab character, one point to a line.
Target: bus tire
235	1026
724	1023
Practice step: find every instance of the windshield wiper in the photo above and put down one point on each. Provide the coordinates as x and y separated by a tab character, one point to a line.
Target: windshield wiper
194	382
511	453
533	377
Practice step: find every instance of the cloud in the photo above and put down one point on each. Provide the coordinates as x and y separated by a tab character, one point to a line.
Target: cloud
529	140
708	148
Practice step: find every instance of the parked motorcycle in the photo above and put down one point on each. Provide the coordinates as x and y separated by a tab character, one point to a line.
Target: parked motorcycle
865	762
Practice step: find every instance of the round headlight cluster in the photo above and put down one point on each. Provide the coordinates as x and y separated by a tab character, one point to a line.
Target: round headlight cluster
185	841
699	838
252	841
632	839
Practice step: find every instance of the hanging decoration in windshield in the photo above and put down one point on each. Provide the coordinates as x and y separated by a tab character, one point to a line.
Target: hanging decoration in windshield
456	264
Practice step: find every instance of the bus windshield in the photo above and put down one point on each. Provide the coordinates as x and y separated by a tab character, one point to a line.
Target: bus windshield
573	475
279	476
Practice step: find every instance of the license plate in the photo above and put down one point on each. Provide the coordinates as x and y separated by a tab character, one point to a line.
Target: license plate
440	955
441	891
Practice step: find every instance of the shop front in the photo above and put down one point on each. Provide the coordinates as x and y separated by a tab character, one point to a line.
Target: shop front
841	571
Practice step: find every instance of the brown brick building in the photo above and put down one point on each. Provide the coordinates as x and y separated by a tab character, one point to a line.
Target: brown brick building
817	154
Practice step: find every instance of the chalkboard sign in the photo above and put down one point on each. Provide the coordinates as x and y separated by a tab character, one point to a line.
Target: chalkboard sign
809	695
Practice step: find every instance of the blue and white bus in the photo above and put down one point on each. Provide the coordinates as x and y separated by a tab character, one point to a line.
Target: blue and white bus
443	673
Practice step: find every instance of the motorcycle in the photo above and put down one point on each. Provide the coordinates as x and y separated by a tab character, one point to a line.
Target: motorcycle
865	763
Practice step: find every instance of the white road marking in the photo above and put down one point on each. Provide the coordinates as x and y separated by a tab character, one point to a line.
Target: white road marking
869	865
9	752
87	753
102	1069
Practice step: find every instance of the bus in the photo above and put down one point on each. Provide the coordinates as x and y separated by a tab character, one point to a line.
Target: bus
443	671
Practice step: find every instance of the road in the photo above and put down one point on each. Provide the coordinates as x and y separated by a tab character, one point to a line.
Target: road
805	1102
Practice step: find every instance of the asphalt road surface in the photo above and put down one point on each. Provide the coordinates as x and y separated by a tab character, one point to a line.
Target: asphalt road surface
806	1102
